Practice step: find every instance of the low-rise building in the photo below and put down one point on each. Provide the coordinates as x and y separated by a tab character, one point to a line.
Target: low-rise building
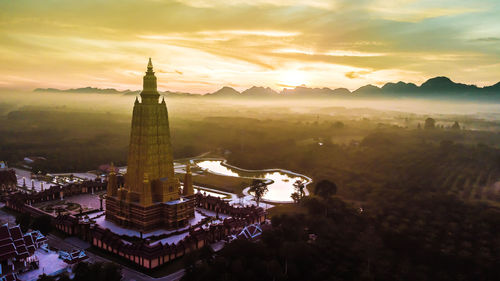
16	251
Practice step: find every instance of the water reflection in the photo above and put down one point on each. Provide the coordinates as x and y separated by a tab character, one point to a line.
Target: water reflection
217	167
282	187
280	190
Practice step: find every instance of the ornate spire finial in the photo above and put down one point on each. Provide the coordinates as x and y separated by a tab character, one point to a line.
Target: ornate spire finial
149	92
150	64
188	168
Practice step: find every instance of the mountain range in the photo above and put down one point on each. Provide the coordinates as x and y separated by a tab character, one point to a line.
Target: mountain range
438	87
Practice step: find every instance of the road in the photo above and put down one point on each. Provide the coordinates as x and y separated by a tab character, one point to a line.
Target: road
128	273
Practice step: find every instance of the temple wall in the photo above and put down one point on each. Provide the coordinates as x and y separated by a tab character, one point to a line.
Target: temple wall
155	254
159	215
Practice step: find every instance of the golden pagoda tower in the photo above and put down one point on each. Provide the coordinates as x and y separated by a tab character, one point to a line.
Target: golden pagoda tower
150	197
150	150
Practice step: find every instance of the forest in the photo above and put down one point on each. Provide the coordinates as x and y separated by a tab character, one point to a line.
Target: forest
409	237
417	192
364	150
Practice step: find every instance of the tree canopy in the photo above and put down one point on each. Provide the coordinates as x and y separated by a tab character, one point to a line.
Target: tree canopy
258	188
325	188
412	238
98	271
42	223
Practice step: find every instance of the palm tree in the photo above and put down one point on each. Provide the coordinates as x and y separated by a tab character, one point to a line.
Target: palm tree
299	187
258	188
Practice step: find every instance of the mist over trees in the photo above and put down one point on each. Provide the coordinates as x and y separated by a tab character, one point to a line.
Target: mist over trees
389	201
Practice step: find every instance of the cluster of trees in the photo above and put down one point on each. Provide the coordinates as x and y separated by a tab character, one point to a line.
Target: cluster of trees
258	189
76	139
410	237
70	141
73	141
42	223
299	193
444	161
430	123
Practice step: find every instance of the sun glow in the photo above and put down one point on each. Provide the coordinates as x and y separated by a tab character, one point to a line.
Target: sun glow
292	79
201	45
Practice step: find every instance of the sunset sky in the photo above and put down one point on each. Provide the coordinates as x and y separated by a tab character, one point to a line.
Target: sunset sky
201	45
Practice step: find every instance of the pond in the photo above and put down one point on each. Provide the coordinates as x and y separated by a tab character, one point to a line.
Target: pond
279	190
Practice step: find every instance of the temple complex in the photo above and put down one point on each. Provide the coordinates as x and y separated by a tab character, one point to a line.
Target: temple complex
150	197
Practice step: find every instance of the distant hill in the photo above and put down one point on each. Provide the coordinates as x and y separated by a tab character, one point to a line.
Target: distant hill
91	90
177	94
437	87
445	85
493	88
86	90
399	88
131	93
302	91
341	91
225	92
368	90
259	92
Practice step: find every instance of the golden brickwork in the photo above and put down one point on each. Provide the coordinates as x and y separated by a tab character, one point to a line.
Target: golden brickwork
150	150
